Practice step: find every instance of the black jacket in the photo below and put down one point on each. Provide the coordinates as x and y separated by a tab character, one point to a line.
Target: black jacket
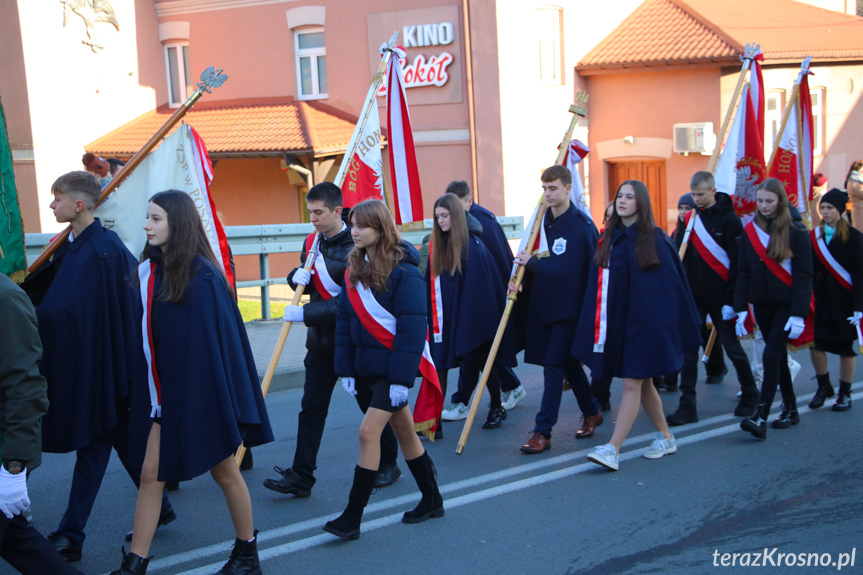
834	303
708	287
319	315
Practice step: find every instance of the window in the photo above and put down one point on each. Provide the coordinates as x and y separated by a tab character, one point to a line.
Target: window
311	63
180	84
817	96
548	35
773	105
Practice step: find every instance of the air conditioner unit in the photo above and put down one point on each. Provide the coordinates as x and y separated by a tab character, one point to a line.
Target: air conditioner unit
694	138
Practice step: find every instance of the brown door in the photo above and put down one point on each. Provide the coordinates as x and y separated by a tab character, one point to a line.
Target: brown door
652	173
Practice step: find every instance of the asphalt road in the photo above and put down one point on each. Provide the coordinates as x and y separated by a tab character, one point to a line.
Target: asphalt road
555	513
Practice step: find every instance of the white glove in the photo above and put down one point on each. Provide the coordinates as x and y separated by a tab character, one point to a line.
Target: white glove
740	326
855	319
728	312
294	313
302	277
13	493
350	385
398	394
794	327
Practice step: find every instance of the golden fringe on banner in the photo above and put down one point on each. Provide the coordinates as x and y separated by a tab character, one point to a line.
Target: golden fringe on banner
425	427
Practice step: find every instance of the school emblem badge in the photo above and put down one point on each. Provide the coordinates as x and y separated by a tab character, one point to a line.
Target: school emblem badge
559	246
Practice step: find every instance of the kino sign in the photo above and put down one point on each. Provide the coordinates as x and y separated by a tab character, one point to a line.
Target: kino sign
426	70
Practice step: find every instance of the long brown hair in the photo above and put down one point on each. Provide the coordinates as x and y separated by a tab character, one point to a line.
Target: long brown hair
447	246
840	232
375	272
778	248
645	245
186	238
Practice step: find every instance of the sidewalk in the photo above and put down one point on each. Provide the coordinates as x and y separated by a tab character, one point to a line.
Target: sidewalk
290	373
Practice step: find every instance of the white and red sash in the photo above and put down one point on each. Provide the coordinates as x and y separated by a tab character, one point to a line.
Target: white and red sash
710	251
147	278
381	324
600	323
324	283
436	301
839	273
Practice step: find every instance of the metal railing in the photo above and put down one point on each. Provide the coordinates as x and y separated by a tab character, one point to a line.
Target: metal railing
279	239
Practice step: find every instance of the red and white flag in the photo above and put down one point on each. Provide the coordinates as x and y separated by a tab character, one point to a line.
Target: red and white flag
577	151
787	165
404	175
364	179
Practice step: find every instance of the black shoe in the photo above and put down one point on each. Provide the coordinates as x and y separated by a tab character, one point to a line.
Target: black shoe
132	564
495	418
248	461
387	475
347	525
843	402
165	516
684	414
746	406
431	504
289	483
719	377
172	486
243	559
787	418
825	391
757	424
65	547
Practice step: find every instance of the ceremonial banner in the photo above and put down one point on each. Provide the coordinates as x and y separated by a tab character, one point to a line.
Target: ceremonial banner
787	166
574	155
364	178
404	176
13	261
179	163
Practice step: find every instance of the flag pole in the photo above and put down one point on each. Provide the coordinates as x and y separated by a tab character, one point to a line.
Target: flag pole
210	78
579	110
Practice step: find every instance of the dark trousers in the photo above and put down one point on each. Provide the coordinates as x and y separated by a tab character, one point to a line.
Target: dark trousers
771	320
553	393
468	377
471	365
601	389
726	337
317	392
90	465
26	550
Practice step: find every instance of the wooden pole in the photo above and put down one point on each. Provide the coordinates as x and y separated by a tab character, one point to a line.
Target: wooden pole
577	111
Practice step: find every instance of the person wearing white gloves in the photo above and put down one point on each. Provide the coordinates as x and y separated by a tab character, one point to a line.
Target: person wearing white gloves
775	276
23	402
838	286
381	343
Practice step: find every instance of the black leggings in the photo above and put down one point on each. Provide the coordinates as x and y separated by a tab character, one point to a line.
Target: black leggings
478	358
771	320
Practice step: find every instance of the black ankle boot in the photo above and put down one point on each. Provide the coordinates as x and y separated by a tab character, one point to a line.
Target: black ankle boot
347	525
244	558
843	402
787	418
824	391
431	504
132	564
757	424
495	417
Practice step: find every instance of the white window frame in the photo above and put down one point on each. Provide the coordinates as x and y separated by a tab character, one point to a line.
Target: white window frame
552	45
314	54
818	123
772	120
186	87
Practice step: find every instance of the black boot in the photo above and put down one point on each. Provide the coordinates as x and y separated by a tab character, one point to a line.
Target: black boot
843	402
686	413
132	564
431	504
787	418
243	559
495	417
347	525
757	424
824	391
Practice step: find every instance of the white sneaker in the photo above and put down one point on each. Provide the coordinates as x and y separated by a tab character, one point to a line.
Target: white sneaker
454	412
605	455
793	367
509	399
660	447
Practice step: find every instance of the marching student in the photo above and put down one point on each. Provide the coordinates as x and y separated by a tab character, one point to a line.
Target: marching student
381	343
711	270
638	317
775	276
324	284
203	396
87	310
838	287
554	286
464	302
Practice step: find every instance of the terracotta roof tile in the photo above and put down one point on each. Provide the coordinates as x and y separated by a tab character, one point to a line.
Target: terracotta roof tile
668	32
260	126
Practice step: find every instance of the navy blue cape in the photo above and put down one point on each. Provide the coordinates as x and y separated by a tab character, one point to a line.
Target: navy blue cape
494	239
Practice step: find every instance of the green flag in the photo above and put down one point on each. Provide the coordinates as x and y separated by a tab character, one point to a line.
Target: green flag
13	261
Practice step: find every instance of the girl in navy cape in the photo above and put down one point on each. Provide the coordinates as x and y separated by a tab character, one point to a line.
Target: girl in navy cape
638	317
204	398
465	301
380	344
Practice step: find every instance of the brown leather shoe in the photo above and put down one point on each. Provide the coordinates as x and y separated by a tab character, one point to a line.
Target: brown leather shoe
537	443
589	425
